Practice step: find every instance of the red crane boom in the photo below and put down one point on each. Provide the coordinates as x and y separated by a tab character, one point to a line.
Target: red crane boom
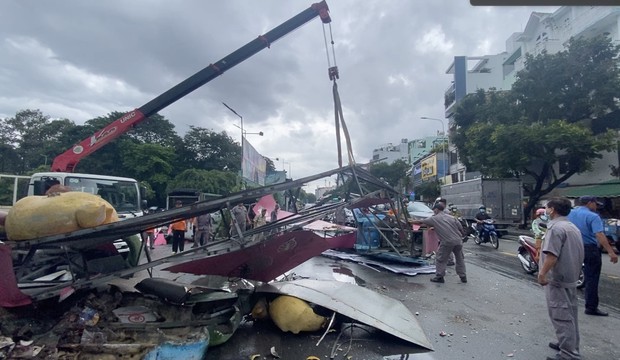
67	161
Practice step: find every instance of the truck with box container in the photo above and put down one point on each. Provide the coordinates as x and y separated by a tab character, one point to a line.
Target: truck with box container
503	199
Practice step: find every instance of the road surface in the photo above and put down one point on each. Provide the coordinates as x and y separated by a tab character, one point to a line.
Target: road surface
499	314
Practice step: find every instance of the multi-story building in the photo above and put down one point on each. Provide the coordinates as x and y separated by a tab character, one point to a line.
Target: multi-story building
389	153
419	148
543	32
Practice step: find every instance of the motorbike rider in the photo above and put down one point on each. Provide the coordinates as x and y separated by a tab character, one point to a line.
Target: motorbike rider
480	217
454	211
539	226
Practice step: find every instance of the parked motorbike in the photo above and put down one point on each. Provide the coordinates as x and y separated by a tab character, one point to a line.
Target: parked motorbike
527	255
487	234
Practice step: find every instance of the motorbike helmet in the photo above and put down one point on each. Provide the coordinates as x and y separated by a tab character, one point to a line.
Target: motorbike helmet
482	208
540	212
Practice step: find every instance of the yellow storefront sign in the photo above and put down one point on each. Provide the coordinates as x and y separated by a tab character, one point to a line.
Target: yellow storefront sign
429	166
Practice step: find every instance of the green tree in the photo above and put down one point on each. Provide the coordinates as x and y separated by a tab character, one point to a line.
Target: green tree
151	163
208	150
209	181
395	173
9	159
33	137
110	159
546	118
428	190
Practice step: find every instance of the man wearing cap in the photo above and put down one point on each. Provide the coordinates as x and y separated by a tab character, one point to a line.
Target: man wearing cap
592	233
450	232
443	202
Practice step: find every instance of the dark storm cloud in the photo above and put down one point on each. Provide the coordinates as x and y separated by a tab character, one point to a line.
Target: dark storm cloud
82	59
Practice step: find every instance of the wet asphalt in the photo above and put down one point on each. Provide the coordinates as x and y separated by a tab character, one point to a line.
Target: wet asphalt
500	313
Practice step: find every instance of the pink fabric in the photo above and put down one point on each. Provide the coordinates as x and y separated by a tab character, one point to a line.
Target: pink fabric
431	241
266	260
160	239
269	203
10	295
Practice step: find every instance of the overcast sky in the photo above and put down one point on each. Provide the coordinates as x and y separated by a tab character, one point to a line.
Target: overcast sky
82	59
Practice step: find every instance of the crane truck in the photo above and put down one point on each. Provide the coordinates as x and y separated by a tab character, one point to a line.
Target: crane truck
125	193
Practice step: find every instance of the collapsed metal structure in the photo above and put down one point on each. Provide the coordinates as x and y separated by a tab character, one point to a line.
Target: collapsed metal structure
37	263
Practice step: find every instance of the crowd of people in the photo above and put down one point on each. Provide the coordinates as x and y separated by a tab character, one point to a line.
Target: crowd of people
203	226
567	239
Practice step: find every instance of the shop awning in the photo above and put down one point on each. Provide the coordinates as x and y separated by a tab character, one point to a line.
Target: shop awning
605	189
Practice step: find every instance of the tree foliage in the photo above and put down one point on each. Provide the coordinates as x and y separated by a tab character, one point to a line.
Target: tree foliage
428	190
152	152
33	139
546	118
206	149
209	181
394	173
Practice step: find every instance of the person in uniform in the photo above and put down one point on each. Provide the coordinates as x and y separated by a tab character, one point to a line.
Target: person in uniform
443	202
450	232
560	264
593	236
202	223
241	217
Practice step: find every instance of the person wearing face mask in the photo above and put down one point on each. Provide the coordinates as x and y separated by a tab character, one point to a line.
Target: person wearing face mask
539	226
560	264
593	236
480	217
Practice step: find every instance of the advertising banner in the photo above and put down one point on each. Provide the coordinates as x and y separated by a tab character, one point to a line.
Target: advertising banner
253	164
429	167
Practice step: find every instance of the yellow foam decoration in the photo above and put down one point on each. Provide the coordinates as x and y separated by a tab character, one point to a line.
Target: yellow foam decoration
294	315
38	216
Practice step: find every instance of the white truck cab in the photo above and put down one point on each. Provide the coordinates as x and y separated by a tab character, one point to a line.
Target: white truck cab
124	194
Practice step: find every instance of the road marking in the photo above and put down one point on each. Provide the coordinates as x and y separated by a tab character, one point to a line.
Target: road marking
613	277
506	253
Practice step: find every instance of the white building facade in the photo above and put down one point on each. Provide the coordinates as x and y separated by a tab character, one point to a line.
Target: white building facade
544	32
389	153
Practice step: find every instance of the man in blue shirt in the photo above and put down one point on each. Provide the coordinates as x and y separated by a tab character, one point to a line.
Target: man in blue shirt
592	233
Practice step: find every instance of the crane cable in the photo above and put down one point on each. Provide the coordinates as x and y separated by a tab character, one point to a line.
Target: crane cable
338	114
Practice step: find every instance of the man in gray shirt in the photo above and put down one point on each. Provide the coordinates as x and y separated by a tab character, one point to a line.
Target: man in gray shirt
203	229
240	214
450	231
560	264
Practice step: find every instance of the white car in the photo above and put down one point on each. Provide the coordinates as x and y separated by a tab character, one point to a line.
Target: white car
418	210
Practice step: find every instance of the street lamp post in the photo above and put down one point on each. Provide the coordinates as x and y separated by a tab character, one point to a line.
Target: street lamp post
240	127
445	172
243	134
